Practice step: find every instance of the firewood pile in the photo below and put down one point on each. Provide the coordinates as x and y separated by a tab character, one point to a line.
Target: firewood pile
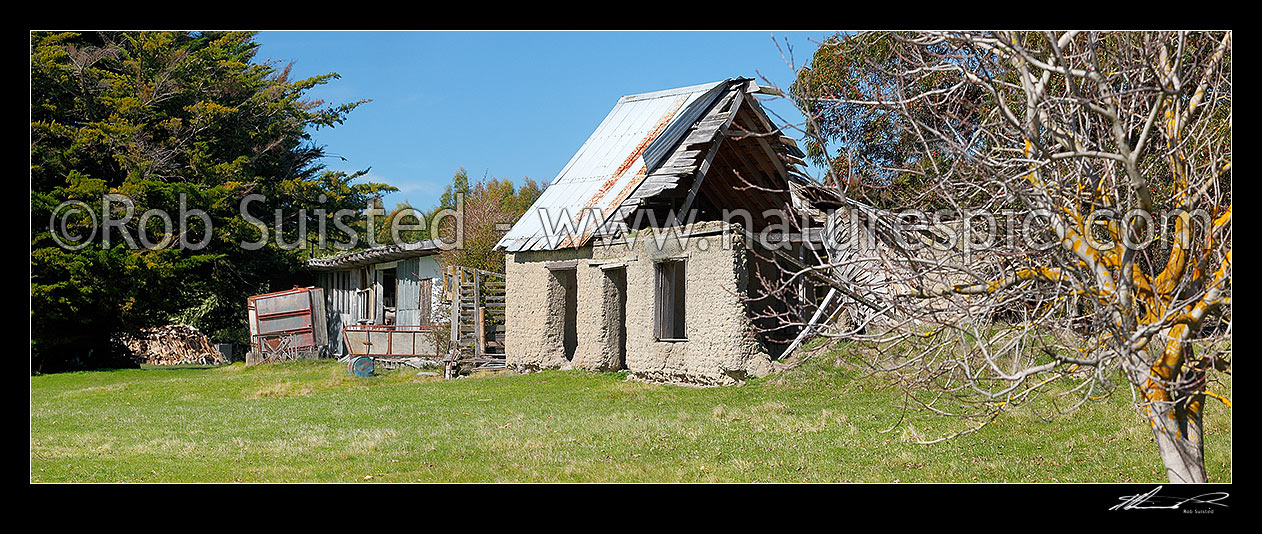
172	345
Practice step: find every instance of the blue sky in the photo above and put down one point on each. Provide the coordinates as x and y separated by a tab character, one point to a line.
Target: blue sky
504	104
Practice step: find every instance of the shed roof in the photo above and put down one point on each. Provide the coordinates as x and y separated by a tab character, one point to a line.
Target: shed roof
381	254
636	152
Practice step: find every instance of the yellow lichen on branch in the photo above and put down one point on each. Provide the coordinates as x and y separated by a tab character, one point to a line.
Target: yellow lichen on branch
1220	398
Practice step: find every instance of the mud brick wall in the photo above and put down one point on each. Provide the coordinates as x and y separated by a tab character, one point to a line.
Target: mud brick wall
720	347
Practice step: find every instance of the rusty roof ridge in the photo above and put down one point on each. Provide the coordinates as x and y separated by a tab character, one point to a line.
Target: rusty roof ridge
679	90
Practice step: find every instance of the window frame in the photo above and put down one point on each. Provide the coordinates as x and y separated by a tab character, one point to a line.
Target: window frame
666	309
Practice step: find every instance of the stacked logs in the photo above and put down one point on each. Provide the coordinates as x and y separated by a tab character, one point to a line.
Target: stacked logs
172	345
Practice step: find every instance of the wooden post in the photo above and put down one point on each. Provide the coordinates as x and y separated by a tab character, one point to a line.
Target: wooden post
478	333
455	312
481	348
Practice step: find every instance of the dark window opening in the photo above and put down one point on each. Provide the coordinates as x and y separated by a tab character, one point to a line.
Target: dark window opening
668	301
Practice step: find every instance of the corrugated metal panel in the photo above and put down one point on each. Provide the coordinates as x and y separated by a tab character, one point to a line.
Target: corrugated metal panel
633	139
380	254
664	178
287	313
656	153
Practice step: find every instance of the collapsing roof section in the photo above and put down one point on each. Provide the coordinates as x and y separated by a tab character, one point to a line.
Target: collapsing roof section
378	254
649	143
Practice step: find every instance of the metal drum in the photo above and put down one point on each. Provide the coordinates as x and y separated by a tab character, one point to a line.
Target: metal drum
361	366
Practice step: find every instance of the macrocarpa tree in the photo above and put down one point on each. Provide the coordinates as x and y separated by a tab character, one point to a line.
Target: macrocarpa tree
1082	181
172	121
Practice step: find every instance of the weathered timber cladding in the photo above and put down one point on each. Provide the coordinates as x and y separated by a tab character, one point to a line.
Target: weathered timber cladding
355	294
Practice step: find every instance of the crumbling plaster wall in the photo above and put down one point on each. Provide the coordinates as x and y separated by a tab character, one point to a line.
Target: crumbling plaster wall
534	337
721	347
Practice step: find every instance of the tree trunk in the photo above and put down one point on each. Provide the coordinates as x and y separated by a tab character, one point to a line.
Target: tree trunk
1179	440
1176	415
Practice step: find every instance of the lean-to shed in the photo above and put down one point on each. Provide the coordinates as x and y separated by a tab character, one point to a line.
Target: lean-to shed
385	285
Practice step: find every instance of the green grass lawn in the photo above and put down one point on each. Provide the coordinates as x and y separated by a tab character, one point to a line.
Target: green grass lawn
311	421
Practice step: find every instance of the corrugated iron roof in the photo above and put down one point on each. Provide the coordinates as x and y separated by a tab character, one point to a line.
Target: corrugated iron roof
632	141
381	254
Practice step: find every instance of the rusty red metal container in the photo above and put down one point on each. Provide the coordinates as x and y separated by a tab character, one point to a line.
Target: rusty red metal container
291	321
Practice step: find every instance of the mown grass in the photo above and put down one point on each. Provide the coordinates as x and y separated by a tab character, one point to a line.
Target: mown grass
311	421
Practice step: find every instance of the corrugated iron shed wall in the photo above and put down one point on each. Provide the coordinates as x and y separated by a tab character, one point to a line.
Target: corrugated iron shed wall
413	272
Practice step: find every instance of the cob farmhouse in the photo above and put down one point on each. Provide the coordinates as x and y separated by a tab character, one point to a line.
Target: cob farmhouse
641	253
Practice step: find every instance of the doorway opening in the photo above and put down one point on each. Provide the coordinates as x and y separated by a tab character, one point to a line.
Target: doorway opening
616	313
563	301
389	294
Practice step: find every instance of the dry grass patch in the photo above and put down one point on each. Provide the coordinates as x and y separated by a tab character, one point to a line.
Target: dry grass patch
280	389
108	388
